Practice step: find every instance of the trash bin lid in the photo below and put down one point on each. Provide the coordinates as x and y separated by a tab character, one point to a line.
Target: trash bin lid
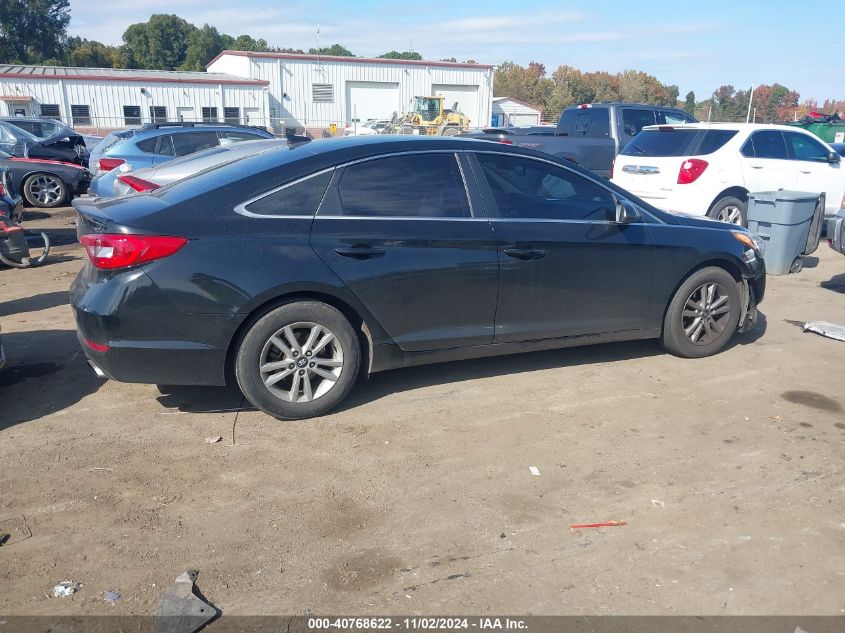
784	196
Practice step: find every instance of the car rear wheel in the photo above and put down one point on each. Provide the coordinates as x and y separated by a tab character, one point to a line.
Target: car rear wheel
44	190
730	209
703	314
298	361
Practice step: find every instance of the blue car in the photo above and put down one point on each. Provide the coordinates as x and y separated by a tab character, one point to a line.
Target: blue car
156	143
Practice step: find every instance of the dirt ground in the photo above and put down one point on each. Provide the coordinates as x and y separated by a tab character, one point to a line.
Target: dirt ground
417	496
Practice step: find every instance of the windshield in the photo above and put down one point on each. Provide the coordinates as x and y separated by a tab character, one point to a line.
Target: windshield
427	107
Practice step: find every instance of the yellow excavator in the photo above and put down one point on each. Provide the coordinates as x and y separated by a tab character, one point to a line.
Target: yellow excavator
429	118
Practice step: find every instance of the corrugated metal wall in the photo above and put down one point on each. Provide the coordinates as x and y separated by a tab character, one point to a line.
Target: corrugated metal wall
107	98
291	80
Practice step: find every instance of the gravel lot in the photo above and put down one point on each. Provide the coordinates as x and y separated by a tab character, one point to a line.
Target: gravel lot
417	496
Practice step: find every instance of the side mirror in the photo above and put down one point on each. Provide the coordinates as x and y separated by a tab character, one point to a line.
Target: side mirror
627	212
833	157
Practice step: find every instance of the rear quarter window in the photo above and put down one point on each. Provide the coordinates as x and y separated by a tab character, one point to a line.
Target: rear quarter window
299	198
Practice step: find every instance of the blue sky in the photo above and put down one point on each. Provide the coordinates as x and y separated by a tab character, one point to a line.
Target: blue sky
698	46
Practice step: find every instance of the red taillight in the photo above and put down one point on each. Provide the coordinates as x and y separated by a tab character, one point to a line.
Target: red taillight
505	141
691	169
109	251
96	346
138	184
584	106
107	164
2	189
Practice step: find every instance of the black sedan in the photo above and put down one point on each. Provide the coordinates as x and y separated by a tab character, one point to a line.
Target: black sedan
297	270
46	183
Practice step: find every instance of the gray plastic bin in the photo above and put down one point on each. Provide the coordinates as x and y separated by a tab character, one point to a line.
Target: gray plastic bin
782	219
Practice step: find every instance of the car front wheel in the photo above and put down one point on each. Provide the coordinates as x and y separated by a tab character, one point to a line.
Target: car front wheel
703	314
45	191
298	361
730	209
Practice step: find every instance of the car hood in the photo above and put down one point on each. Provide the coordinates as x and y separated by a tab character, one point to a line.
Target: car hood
685	219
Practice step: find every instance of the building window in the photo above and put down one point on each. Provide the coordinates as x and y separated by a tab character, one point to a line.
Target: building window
158	114
232	115
81	114
132	115
209	115
322	93
50	111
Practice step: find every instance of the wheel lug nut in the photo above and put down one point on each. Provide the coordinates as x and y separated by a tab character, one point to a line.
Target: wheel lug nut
295	354
290	366
308	353
313	365
301	372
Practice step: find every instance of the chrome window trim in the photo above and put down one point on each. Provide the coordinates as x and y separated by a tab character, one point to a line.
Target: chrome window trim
242	207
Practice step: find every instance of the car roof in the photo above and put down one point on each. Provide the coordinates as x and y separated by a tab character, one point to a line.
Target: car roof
741	127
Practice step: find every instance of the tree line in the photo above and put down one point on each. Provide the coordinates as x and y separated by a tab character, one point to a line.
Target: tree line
35	32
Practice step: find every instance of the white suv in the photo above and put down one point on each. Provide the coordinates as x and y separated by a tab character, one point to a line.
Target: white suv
710	168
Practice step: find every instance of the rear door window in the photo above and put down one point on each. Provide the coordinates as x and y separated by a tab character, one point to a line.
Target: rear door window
803	147
416	185
766	144
635	119
190	142
529	189
672	117
298	198
591	123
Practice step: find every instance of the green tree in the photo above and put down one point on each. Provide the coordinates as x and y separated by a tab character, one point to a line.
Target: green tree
528	84
689	102
248	43
92	54
398	55
33	31
203	45
161	42
335	50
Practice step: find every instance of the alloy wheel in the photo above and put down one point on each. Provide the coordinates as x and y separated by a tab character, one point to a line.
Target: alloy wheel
706	313
47	190
731	213
301	362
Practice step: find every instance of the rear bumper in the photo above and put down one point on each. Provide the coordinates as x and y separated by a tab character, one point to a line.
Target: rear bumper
138	336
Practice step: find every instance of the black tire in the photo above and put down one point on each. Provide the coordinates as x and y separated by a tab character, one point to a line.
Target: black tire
680	316
257	350
725	206
35	183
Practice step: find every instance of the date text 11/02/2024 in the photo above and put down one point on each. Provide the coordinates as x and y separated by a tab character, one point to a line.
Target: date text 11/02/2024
417	624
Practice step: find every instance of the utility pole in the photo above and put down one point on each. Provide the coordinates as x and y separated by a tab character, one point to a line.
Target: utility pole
750	99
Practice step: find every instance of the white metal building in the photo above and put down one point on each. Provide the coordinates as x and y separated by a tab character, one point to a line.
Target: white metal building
311	90
512	112
94	99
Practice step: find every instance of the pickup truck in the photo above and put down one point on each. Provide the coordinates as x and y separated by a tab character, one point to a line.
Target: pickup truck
590	134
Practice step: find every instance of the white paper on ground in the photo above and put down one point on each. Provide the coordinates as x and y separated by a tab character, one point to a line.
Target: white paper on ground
534	471
831	330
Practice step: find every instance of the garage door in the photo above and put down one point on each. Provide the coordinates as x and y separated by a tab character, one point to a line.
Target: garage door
466	96
371	100
523	118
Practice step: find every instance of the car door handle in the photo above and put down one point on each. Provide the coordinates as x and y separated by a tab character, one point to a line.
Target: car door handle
525	253
756	167
805	171
360	252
